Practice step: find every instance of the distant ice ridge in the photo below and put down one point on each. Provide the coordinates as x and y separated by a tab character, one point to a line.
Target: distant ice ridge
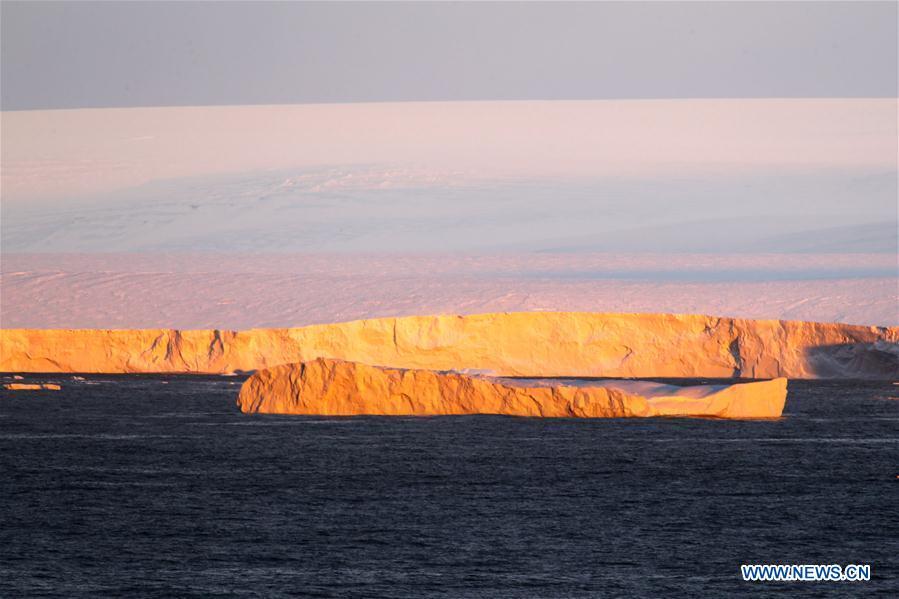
395	208
762	175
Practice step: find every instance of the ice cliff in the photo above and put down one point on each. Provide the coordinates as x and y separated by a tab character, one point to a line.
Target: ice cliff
536	344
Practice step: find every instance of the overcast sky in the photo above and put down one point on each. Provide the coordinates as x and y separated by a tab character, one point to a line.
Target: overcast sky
85	54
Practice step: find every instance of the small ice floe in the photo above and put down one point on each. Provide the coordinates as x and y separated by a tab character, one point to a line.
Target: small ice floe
32	386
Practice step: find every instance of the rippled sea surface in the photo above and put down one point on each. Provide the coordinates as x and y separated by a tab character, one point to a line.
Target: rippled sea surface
158	486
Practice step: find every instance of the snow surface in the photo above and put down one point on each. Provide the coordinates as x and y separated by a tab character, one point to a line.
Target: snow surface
234	291
238	217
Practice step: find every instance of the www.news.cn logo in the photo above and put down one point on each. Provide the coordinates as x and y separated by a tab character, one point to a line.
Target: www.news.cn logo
805	573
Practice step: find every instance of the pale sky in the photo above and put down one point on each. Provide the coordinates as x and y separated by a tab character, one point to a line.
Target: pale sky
116	54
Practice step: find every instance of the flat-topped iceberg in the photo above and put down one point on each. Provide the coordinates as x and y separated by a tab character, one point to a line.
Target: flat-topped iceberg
338	388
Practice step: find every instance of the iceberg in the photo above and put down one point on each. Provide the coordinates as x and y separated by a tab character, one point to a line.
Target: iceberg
328	387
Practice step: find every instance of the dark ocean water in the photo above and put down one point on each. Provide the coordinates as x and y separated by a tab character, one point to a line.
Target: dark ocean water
156	486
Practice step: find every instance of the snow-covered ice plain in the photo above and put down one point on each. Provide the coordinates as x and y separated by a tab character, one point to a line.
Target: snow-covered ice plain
238	291
238	217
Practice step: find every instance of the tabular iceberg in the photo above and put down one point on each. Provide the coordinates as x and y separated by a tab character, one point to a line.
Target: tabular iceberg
339	388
